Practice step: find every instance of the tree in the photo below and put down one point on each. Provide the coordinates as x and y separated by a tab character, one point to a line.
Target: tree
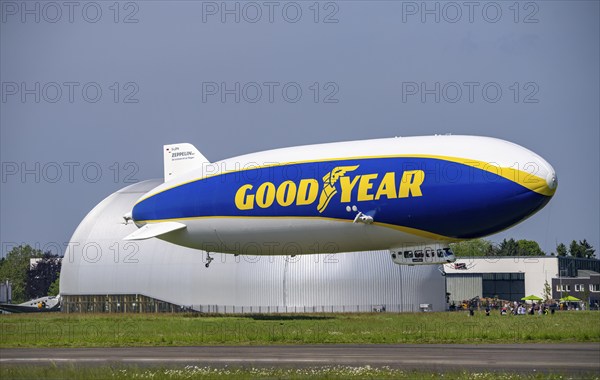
41	275
547	293
575	249
586	295
508	248
529	248
469	248
54	287
561	250
581	249
14	269
586	249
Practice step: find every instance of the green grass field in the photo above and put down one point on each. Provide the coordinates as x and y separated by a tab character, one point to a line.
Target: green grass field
120	330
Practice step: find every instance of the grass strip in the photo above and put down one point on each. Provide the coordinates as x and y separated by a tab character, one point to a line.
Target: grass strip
123	330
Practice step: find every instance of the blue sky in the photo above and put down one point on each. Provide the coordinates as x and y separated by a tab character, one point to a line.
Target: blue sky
92	90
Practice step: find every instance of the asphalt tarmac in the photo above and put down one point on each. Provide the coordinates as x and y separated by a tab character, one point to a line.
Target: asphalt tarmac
567	358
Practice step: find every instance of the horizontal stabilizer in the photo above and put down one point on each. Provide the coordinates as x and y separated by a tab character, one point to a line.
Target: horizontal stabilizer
148	231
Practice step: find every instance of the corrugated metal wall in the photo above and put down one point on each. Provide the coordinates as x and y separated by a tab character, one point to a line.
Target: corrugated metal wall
98	261
464	286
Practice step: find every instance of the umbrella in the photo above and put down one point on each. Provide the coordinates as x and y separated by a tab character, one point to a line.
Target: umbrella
570	298
531	298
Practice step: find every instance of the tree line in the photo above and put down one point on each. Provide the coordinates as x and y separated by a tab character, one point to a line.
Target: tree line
523	247
30	281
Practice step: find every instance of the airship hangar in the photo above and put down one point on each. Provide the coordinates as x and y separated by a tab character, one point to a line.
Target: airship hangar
101	272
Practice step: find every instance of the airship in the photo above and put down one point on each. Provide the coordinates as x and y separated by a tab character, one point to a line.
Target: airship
412	196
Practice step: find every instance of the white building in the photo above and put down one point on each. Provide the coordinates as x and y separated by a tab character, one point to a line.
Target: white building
511	278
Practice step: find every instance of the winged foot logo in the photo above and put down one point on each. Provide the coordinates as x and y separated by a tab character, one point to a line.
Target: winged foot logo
358	188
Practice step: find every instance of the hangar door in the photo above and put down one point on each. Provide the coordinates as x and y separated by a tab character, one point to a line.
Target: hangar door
506	286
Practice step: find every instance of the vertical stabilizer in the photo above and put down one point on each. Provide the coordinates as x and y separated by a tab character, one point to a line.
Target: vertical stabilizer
181	158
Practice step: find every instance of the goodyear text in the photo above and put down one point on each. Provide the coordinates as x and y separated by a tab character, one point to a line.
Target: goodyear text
359	188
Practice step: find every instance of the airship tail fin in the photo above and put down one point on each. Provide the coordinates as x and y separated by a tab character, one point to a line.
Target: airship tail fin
181	158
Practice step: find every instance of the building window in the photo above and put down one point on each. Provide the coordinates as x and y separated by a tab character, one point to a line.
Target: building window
565	288
595	287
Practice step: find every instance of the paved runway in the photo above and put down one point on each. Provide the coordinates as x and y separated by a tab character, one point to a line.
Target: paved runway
505	357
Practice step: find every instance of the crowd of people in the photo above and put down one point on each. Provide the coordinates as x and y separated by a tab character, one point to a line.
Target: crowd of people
523	309
514	307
